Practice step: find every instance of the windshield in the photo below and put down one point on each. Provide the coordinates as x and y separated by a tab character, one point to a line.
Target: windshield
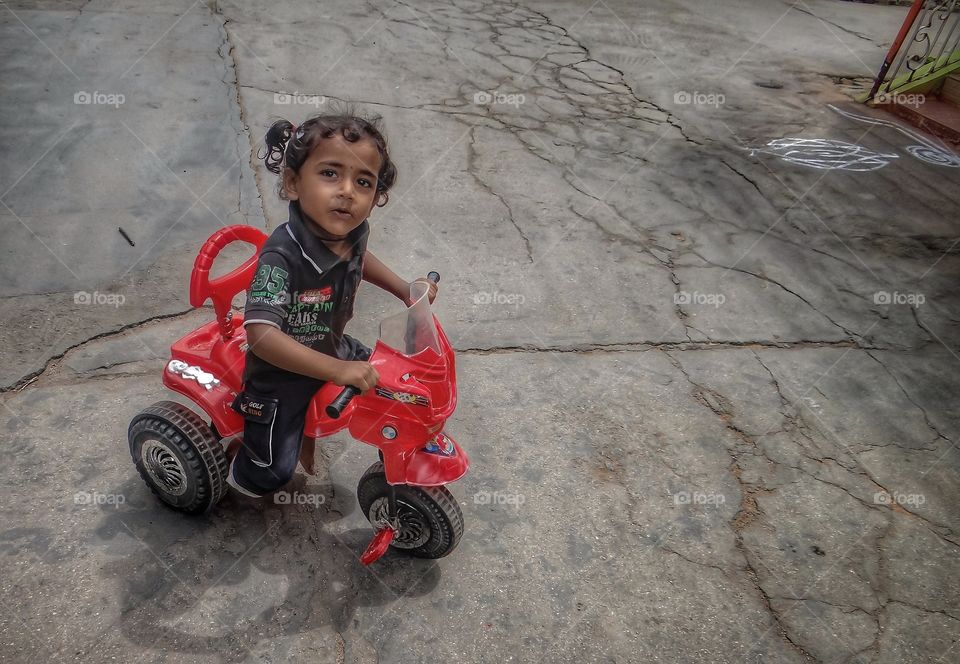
413	330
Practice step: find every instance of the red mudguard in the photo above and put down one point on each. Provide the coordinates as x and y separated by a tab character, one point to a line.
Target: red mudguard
424	468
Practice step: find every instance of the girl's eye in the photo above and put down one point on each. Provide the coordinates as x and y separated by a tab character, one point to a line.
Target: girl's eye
364	182
328	173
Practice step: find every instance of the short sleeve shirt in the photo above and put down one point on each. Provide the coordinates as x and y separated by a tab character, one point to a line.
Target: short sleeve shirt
305	290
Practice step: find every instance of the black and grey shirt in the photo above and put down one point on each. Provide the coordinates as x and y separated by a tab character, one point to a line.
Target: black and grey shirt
305	290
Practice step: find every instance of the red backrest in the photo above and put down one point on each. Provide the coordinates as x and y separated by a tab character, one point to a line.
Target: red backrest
223	289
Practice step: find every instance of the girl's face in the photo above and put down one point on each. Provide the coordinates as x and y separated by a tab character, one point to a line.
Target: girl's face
336	185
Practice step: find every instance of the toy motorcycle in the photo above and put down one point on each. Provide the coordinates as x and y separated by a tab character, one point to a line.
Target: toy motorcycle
183	459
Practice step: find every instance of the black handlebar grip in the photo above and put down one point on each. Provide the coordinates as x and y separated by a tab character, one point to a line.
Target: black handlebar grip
434	277
337	405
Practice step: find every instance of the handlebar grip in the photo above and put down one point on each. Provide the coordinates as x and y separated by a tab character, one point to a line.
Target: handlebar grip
434	277
336	406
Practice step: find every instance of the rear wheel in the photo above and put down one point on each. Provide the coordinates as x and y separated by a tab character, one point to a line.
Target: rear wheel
431	522
178	456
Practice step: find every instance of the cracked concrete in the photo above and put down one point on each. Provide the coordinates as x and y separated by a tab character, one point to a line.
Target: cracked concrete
728	448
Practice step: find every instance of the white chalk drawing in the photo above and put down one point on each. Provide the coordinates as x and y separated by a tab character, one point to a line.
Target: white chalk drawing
928	150
829	154
825	154
934	156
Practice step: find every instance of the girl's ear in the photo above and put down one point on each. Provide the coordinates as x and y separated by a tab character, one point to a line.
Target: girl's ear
290	182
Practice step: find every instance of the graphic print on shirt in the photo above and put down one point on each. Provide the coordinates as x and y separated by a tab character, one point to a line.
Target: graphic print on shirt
313	295
310	316
269	285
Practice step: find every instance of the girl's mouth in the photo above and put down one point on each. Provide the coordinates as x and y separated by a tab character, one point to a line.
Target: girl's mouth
342	214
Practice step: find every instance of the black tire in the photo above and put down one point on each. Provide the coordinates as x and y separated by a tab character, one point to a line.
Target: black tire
179	457
431	520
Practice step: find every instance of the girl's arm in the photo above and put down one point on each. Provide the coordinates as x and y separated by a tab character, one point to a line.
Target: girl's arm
377	273
280	350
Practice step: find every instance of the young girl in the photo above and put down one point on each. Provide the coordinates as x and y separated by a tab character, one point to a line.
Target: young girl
334	170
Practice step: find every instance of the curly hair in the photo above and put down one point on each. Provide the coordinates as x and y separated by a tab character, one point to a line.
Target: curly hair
289	149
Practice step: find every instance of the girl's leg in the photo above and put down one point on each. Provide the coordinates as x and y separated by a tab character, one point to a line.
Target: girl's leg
273	433
308	451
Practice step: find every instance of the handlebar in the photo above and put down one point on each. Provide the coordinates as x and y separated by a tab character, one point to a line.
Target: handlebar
335	409
337	406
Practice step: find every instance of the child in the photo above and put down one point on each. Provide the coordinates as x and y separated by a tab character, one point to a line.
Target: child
334	169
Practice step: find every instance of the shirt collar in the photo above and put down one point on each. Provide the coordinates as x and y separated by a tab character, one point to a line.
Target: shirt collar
313	249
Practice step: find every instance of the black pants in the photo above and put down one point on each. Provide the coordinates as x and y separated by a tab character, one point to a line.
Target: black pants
274	415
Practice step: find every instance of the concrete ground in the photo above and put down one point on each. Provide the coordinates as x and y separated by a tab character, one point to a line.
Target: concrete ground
707	383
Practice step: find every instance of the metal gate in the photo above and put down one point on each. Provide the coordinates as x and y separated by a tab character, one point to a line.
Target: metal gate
926	49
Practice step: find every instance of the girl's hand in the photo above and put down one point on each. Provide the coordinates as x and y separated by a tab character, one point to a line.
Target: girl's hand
360	375
432	293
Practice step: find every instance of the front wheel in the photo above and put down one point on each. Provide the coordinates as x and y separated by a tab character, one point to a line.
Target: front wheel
431	522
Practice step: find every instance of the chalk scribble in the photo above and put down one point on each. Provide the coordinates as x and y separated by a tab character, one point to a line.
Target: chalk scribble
825	154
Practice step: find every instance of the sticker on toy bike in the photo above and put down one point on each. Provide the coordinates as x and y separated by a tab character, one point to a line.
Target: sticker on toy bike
441	445
181	452
403	397
193	373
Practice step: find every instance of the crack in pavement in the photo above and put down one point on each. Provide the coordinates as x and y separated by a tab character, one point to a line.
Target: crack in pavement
29	378
231	62
926	415
860	35
751	181
645	247
748	511
734	268
53	364
642	346
941	531
472	170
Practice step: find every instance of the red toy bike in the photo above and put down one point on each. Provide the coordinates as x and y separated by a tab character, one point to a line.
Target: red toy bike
183	460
